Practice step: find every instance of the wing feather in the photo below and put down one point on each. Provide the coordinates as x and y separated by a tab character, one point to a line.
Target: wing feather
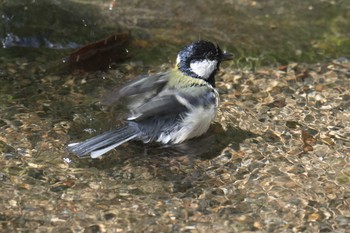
138	91
171	102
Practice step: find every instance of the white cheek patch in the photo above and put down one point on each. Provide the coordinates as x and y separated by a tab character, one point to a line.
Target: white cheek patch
204	68
178	59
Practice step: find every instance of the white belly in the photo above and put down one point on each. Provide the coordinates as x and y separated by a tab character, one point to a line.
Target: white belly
194	124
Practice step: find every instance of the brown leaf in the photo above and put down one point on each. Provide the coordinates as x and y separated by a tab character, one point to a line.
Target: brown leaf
100	54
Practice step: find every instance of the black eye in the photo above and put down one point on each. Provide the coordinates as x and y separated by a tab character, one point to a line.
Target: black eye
210	55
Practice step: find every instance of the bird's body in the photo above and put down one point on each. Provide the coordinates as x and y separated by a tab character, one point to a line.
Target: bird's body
169	107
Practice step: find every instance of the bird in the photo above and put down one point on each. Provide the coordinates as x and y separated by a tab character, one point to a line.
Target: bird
168	107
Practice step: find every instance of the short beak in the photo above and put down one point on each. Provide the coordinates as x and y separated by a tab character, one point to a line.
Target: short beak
226	56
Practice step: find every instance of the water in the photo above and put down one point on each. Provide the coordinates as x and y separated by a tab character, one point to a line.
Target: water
276	159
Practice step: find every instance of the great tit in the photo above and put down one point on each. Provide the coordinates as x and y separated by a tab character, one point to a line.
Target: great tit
168	107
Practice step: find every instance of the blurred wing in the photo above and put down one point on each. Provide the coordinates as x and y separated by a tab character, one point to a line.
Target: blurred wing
138	91
171	102
157	106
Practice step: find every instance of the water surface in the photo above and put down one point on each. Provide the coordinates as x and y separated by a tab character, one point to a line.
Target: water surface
275	160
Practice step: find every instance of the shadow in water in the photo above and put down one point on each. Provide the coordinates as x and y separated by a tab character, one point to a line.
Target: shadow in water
206	147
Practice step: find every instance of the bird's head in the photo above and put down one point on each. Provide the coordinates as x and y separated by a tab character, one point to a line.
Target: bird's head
201	59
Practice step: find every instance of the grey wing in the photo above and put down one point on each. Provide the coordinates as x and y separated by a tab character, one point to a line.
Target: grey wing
171	102
138	91
166	104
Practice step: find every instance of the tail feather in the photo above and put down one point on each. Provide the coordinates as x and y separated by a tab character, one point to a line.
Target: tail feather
97	153
105	142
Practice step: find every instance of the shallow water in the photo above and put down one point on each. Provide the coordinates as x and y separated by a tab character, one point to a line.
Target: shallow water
276	160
